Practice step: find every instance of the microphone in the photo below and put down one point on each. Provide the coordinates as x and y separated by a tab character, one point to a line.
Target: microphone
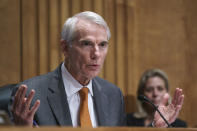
145	99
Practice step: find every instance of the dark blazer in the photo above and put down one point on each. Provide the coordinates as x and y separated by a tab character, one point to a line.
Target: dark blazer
5	94
54	108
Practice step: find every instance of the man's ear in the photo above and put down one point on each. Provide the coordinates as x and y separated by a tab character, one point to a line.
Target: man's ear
64	47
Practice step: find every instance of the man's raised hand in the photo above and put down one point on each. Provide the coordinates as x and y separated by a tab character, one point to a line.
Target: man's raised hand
22	113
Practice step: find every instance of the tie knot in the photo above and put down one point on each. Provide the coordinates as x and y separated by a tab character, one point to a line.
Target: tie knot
83	92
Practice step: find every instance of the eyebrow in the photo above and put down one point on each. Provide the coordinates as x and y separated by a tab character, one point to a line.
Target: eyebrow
93	42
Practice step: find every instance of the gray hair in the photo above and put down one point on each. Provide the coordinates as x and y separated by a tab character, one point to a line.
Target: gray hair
69	29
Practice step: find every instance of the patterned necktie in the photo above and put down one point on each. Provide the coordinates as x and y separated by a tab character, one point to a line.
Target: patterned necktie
84	113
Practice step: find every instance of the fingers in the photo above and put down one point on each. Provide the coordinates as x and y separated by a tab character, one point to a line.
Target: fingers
177	97
22	113
176	112
24	90
165	99
35	108
177	103
181	99
19	97
30	97
27	102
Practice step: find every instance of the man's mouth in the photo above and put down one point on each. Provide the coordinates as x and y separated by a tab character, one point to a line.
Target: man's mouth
94	66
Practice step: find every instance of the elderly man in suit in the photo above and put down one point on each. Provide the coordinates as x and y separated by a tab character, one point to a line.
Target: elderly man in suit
55	98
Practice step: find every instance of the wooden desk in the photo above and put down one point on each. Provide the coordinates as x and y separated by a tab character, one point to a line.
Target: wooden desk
93	129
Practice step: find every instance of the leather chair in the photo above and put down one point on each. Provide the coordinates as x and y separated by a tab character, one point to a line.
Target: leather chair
5	94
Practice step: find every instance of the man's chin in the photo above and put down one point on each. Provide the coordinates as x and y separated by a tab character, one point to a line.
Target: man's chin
92	75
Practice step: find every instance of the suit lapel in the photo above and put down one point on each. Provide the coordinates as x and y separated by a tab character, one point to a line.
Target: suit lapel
58	101
100	103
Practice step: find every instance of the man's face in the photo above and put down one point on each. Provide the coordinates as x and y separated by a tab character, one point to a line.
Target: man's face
155	89
87	53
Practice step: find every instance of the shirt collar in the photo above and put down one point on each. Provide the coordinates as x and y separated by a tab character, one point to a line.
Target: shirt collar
71	85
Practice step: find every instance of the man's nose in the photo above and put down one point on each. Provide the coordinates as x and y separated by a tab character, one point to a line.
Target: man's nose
95	52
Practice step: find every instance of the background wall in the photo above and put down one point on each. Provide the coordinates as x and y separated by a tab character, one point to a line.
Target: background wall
145	34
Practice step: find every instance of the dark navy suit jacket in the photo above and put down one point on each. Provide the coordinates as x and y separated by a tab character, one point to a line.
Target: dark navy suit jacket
54	110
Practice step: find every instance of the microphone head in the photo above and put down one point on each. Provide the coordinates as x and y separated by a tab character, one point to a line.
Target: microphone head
142	98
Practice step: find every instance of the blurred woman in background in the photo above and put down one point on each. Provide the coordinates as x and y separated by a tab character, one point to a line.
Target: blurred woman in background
154	85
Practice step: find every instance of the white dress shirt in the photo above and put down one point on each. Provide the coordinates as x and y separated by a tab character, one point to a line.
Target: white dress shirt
72	87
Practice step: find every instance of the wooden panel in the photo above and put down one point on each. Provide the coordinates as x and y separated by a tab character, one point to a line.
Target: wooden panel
161	41
76	6
64	4
130	93
87	5
121	45
29	39
98	6
64	15
190	26
110	63
54	34
133	53
10	42
43	35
